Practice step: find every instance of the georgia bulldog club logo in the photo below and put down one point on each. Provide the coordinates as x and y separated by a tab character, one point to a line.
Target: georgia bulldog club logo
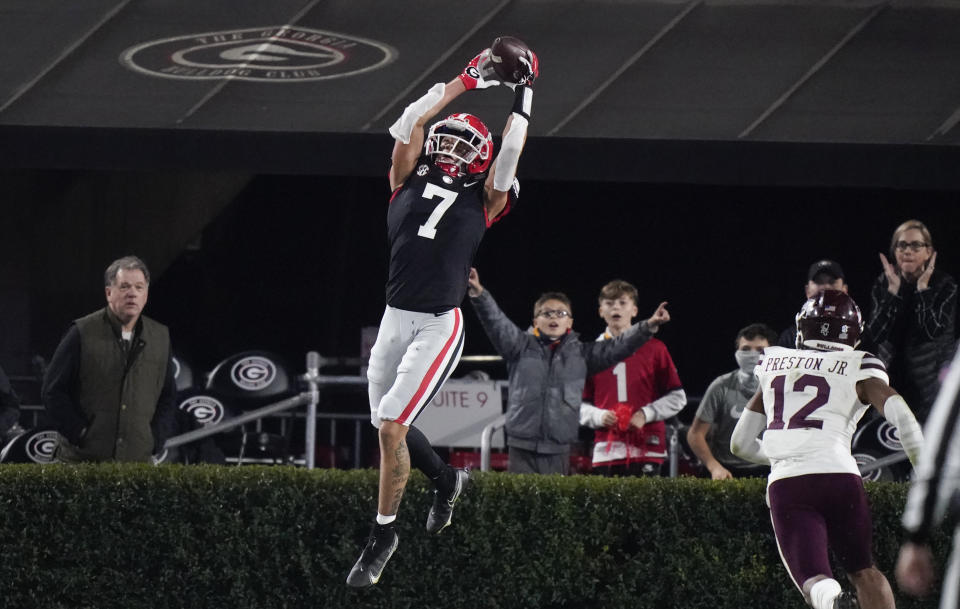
41	446
253	373
203	408
269	54
889	436
863	459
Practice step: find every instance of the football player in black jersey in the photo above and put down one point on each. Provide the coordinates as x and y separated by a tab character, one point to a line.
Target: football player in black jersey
448	188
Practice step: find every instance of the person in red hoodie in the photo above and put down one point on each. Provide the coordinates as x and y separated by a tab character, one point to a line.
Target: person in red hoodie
628	403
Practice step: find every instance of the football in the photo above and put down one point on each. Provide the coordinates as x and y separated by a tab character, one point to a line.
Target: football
505	53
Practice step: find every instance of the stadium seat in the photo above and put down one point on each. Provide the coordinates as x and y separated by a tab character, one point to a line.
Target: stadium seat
182	372
252	379
246	381
36	445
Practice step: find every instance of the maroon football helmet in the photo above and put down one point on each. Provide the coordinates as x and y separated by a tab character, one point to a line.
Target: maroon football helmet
460	144
830	321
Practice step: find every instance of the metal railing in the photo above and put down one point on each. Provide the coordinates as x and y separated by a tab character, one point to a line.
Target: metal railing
311	399
486	441
284	409
882	462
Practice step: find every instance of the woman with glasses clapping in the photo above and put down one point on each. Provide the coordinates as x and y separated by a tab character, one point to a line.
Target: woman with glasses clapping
912	317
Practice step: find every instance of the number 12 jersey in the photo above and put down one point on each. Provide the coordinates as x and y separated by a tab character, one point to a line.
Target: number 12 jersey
812	408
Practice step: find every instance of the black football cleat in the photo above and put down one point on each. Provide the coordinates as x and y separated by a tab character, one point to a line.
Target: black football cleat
845	600
380	546
441	513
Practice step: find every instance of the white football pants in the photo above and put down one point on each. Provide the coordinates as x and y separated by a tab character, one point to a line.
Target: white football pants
413	356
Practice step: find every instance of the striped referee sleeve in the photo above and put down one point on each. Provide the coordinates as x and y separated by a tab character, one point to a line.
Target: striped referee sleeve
938	474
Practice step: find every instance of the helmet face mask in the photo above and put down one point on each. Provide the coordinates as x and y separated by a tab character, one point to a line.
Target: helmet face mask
460	144
829	321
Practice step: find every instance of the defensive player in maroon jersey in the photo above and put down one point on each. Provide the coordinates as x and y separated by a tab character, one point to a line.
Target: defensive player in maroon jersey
448	188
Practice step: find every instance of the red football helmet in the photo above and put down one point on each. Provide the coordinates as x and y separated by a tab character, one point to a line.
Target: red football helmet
460	144
830	321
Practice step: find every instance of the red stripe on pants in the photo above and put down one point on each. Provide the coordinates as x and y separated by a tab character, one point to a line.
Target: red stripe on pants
425	383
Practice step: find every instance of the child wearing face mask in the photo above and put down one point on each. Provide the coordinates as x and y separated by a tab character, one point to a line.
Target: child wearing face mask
722	404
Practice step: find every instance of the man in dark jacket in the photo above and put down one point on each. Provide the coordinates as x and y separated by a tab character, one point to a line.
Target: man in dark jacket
110	385
822	275
548	367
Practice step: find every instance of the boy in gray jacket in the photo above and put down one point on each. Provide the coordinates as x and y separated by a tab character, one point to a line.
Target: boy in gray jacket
547	368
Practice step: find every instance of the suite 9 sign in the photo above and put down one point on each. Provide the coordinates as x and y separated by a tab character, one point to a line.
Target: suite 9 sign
459	398
458	413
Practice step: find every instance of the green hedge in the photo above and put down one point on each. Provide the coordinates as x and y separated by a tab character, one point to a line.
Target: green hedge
128	536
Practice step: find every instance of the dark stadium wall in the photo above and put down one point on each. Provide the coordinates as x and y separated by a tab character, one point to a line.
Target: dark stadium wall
60	230
299	263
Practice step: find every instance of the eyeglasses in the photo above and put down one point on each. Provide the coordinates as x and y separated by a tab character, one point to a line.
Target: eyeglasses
915	246
553	313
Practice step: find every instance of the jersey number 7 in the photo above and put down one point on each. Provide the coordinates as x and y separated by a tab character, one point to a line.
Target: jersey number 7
447	197
799	420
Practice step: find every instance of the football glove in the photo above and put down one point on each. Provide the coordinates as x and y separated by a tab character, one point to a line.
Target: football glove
479	72
531	69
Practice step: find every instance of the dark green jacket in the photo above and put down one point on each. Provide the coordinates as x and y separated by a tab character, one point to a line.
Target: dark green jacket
108	402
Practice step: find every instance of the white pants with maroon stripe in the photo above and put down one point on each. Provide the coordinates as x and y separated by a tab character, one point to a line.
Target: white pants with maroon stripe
414	354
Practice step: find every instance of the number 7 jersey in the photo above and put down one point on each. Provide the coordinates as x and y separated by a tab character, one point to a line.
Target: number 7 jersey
435	223
810	399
